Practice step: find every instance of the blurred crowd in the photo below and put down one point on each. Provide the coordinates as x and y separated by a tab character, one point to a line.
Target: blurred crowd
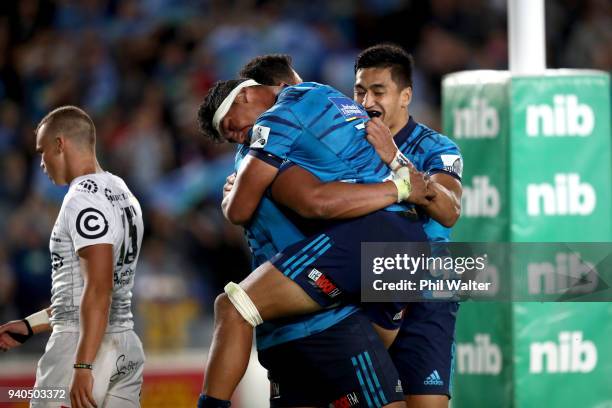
141	68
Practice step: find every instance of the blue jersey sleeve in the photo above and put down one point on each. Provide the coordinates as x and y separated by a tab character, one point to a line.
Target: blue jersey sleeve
274	135
444	157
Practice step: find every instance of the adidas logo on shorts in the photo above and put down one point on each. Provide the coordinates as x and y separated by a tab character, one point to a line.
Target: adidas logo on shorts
398	387
433	379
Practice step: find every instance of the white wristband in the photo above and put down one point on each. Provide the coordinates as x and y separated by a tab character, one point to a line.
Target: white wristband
38	318
398	161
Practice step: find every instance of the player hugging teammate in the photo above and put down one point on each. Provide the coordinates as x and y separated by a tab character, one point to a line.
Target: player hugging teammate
297	141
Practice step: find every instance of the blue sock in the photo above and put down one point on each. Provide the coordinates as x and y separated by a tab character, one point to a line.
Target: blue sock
209	402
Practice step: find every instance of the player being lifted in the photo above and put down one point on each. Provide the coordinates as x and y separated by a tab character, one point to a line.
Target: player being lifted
299	351
424	344
94	247
321	130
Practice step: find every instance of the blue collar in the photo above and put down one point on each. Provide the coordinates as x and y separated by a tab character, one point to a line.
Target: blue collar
405	132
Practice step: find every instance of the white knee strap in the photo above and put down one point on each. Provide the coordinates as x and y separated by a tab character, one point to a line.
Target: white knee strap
243	304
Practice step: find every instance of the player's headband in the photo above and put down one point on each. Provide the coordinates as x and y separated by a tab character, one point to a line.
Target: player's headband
228	101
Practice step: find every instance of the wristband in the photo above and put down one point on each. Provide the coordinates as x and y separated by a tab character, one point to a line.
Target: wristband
403	188
22	338
398	161
38	318
83	365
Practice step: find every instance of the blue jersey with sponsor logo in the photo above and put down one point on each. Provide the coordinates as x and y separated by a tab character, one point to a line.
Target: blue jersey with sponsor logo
267	234
321	130
430	152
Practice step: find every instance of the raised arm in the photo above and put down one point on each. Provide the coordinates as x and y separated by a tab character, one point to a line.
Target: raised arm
254	176
444	191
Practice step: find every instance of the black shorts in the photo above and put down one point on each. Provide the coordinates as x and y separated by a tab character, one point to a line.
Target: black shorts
345	366
424	349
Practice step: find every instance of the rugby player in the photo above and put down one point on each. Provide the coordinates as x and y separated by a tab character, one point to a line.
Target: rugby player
270	294
315	359
384	84
94	246
423	351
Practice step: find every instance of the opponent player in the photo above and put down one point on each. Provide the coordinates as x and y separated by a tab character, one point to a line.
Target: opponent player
423	351
343	154
94	246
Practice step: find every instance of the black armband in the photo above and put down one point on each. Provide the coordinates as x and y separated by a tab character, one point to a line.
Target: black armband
22	338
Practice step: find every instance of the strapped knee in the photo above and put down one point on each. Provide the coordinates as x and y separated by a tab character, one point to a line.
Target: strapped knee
243	304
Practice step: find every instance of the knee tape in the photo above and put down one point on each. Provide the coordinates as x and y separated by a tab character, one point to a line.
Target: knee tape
243	304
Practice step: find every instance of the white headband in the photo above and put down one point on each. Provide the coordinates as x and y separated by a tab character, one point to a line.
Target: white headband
228	101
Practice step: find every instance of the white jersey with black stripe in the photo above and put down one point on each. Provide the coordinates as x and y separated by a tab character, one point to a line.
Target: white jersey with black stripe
98	209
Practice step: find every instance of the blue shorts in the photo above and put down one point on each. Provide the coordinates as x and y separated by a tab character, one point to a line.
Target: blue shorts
327	266
424	349
345	366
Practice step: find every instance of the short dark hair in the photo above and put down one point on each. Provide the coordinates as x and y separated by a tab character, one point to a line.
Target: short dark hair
270	69
212	101
72	122
388	56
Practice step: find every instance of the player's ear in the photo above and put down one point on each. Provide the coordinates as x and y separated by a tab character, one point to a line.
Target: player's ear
60	143
406	97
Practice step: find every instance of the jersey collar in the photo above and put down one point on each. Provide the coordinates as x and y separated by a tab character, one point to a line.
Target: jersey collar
405	132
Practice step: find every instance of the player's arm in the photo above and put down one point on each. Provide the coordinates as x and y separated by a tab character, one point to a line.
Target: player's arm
254	176
304	193
445	206
96	263
15	333
444	190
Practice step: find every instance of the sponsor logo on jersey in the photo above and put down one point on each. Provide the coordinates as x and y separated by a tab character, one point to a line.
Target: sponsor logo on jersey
348	108
452	163
259	136
573	354
87	186
323	283
114	197
56	261
346	401
91	223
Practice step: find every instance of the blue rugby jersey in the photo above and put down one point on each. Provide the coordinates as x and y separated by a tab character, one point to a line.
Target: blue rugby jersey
268	232
321	130
430	152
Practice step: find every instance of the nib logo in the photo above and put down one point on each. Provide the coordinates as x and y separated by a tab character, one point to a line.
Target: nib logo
571	355
568	196
569	274
566	118
481	199
477	121
480	357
